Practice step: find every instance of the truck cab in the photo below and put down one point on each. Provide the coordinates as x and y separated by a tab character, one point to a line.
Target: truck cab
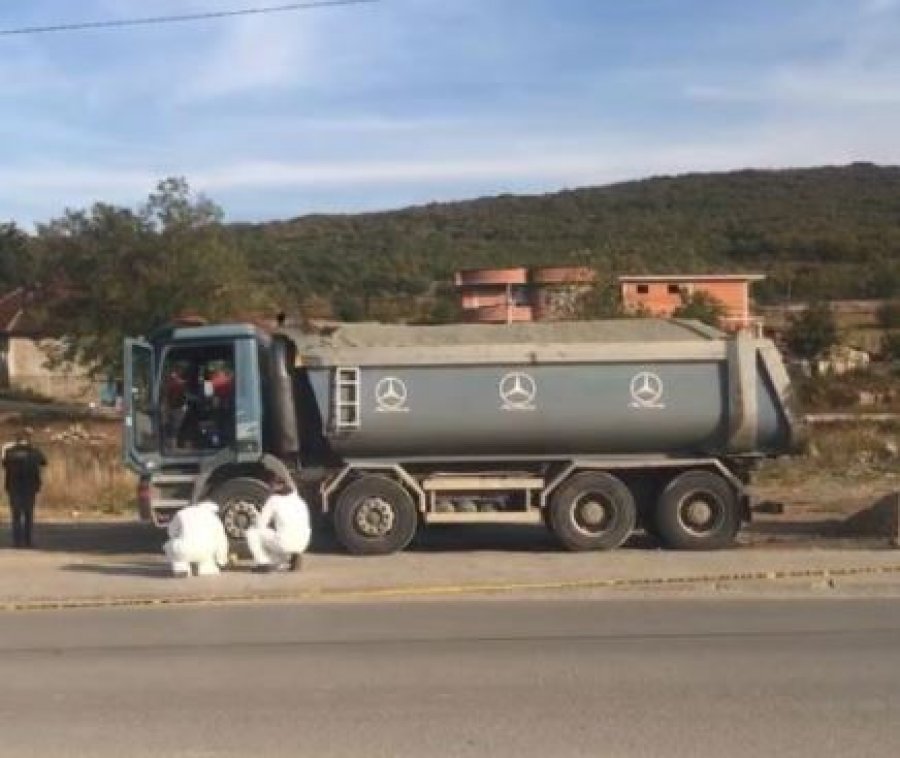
195	418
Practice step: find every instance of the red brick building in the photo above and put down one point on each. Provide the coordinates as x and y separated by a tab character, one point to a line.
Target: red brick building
660	295
507	295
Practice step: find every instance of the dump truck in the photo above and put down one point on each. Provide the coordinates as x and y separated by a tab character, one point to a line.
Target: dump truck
591	428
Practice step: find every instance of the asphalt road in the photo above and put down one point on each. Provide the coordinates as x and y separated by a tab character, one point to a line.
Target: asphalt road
518	678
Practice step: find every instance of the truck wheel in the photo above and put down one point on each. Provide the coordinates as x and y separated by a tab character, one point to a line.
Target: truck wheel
240	501
592	511
698	510
374	516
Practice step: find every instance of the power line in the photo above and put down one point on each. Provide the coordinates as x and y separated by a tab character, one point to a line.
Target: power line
175	19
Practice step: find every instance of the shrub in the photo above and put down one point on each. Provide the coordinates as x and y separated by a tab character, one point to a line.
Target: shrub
701	306
812	332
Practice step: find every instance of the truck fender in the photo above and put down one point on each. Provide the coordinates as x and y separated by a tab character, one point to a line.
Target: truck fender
207	469
275	465
227	458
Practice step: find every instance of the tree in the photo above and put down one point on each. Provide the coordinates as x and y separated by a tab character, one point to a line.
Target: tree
16	261
600	301
812	332
445	308
349	308
112	272
701	306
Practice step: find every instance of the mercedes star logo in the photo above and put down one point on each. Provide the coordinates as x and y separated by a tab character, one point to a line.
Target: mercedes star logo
517	391
646	390
390	395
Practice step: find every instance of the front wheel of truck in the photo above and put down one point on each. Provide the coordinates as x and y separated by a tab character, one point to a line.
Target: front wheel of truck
240	500
374	515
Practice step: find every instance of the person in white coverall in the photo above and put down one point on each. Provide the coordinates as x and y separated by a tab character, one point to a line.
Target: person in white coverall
197	537
282	531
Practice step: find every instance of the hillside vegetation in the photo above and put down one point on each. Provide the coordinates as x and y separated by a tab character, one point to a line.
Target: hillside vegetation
825	233
101	273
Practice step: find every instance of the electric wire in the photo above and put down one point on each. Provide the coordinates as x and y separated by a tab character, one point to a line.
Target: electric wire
179	18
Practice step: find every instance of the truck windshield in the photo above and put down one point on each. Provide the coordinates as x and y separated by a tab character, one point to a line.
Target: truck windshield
197	398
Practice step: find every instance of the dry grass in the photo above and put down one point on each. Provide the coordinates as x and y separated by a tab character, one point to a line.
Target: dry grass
848	451
849	467
84	473
88	478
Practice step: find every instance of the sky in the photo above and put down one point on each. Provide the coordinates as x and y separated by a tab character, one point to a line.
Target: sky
403	102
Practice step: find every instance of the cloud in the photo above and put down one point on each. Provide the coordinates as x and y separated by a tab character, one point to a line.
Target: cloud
844	60
412	101
73	178
253	55
435	175
25	73
803	86
878	7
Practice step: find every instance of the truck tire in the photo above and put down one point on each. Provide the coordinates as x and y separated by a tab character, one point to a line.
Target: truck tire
240	501
592	511
698	510
374	515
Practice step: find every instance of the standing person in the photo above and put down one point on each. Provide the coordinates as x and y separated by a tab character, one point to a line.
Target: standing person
197	539
22	464
282	532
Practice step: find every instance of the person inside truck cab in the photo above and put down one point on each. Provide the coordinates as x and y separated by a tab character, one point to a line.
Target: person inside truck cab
197	400
218	392
174	405
221	382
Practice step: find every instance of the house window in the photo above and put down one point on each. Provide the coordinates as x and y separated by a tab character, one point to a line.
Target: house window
643	289
674	289
518	296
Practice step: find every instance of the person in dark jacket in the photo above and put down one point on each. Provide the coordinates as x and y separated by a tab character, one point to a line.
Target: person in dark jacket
22	464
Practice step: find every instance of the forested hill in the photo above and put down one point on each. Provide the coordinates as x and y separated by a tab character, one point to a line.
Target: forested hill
829	232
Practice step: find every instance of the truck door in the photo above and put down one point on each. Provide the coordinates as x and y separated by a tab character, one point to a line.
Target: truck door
141	443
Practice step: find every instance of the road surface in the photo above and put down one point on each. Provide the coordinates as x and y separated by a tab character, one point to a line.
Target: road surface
488	678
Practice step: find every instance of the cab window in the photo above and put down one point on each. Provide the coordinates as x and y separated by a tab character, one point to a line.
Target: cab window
197	398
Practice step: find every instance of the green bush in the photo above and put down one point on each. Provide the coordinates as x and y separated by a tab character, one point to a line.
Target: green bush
811	332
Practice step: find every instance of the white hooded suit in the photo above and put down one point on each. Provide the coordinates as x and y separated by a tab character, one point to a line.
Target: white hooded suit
281	530
197	537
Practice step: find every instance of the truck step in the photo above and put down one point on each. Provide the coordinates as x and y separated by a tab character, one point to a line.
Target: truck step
171	503
161	478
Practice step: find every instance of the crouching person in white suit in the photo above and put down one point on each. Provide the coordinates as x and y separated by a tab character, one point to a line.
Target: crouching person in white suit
197	538
282	532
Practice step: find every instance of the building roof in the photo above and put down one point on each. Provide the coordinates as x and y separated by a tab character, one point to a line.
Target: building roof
491	277
692	277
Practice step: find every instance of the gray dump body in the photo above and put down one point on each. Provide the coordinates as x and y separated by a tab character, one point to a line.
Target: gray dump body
635	386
